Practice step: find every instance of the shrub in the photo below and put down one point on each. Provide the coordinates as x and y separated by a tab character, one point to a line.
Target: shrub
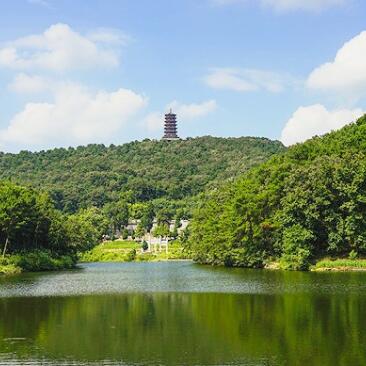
145	246
353	254
131	255
42	261
124	234
296	248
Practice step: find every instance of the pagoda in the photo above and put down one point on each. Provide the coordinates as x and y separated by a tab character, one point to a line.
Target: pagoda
170	127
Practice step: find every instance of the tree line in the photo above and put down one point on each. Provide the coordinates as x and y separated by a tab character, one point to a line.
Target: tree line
167	175
303	204
30	221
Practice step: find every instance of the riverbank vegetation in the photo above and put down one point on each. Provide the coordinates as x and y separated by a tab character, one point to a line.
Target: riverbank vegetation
55	205
340	264
8	268
128	251
35	236
36	261
304	204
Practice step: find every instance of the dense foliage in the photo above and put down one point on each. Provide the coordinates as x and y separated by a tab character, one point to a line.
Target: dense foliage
29	222
61	202
165	173
305	203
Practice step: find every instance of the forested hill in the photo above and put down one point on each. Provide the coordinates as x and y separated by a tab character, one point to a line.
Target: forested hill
297	207
94	175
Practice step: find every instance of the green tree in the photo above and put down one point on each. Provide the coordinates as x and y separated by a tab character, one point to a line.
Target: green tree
303	204
147	218
117	214
140	231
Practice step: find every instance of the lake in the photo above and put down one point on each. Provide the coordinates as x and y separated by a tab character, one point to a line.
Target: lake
180	313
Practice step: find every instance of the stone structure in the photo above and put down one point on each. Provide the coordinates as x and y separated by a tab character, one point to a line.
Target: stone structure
132	225
170	127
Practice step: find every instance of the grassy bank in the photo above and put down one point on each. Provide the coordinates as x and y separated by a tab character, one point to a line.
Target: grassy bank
340	264
35	261
8	268
127	251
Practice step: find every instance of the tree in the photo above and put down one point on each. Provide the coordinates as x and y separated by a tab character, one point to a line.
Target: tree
140	231
117	214
17	213
124	234
300	205
161	230
137	172
147	218
178	219
83	231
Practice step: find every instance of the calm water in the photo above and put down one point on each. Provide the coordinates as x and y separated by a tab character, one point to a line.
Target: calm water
179	313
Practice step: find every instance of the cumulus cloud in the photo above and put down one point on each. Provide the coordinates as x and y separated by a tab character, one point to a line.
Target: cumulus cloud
76	115
347	72
313	120
60	48
30	84
109	36
191	111
186	112
154	121
287	5
247	80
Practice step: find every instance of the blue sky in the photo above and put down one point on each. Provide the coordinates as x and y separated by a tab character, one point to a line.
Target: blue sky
75	72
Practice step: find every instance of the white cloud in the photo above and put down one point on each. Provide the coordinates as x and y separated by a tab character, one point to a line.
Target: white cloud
109	36
30	84
60	48
185	112
76	115
287	5
313	120
154	121
247	80
346	73
188	112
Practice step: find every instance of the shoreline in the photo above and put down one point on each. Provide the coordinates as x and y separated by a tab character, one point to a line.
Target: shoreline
7	268
328	265
339	265
36	261
338	269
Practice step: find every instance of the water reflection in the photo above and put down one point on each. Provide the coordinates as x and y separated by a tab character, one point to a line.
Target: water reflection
185	329
114	278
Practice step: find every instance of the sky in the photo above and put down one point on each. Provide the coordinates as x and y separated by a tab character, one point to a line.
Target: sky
74	72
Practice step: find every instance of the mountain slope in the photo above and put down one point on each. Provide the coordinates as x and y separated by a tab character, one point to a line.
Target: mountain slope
140	171
298	206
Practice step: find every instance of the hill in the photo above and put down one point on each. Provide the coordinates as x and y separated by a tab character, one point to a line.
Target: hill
146	171
297	207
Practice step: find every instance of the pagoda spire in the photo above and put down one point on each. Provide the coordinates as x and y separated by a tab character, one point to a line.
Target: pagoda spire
170	127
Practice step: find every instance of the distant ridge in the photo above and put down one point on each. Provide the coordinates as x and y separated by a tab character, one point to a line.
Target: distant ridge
93	175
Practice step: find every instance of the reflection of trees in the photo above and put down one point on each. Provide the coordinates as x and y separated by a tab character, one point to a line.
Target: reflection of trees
298	329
